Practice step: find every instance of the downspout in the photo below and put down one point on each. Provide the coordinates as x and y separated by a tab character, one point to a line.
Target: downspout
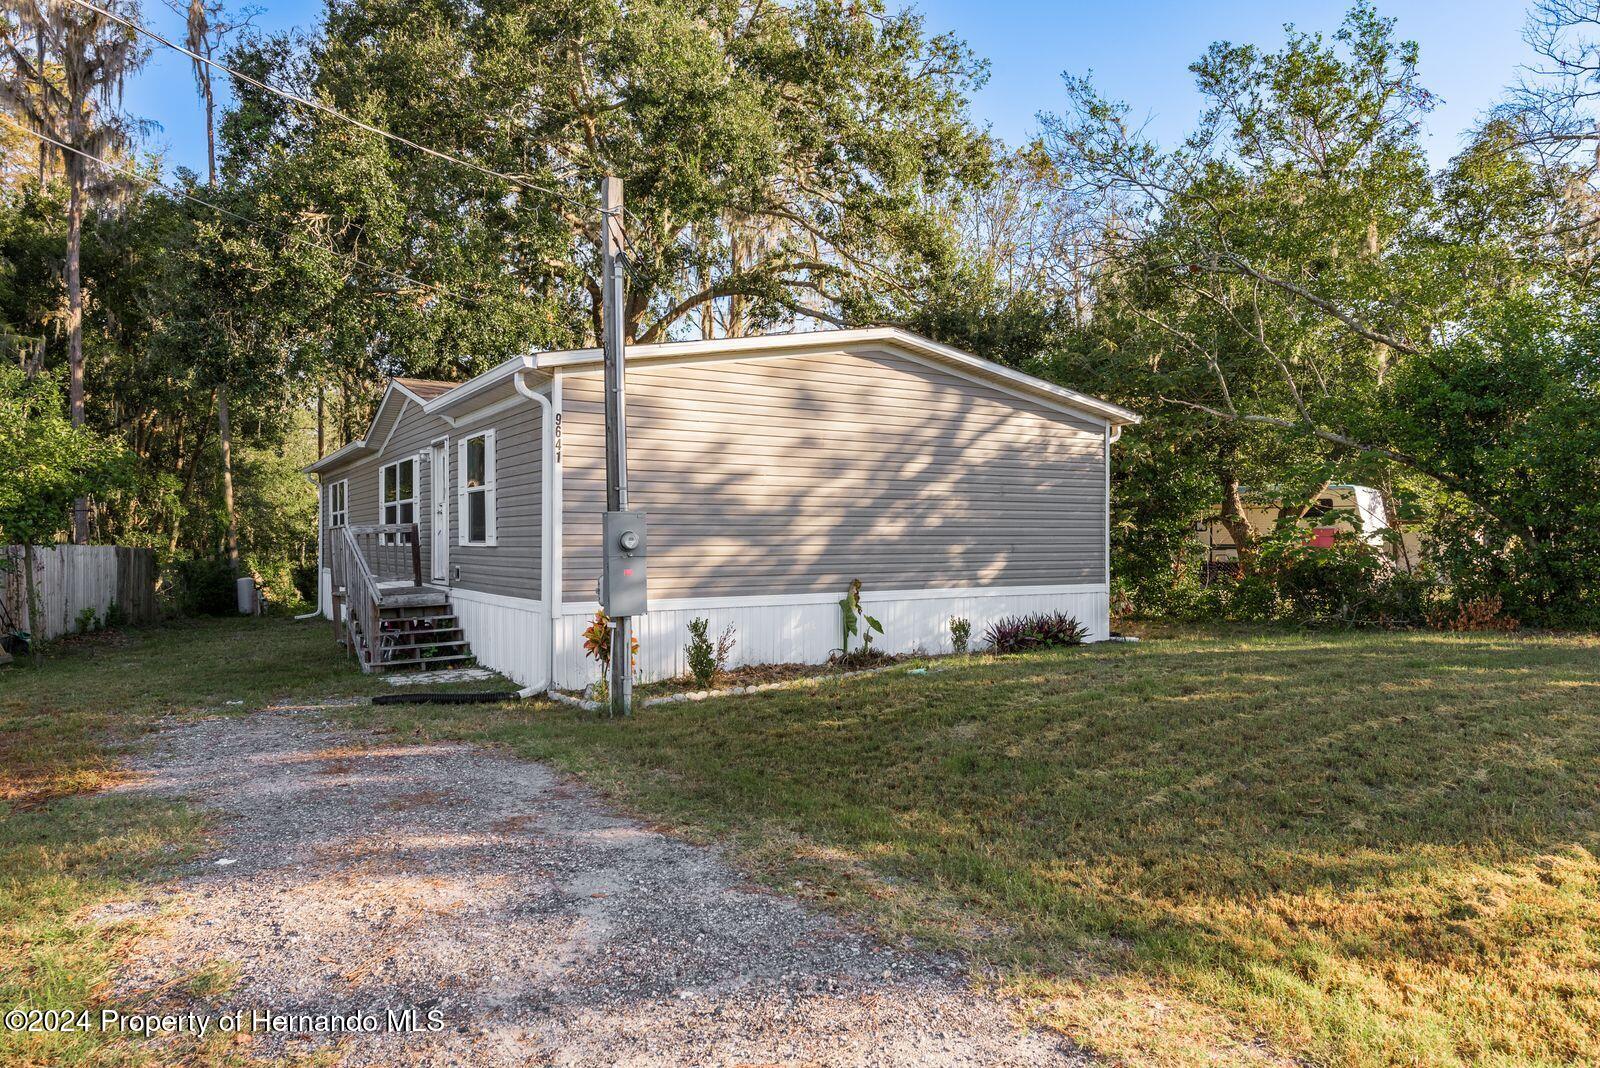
546	535
317	611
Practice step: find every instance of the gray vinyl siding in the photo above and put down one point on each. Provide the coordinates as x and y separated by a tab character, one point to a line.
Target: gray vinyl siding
795	475
509	568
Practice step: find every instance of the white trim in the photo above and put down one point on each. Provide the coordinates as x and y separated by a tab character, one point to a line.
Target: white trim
415	460
401	414
473	386
772	345
488	489
499	600
502	405
1004	390
547	475
1108	506
338	456
330	512
555	506
395	383
1077	411
439	493
680	604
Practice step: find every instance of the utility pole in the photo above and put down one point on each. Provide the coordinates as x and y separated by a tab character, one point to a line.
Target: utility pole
613	325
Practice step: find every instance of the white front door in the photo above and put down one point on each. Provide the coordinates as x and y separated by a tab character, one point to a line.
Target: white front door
440	470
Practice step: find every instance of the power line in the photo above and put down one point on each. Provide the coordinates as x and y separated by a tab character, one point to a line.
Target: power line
350	257
335	112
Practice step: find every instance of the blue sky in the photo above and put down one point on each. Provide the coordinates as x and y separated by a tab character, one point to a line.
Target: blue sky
1138	51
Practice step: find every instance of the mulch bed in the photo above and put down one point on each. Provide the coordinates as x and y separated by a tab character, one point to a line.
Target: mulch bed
761	674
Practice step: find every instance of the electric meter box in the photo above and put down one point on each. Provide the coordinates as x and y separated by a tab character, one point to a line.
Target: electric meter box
623	590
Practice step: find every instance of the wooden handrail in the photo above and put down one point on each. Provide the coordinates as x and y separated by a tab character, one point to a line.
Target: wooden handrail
359	580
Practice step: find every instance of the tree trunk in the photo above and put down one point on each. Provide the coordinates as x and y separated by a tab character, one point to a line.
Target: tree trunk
1234	519
225	440
202	429
30	607
44	148
1391	515
80	507
1290	514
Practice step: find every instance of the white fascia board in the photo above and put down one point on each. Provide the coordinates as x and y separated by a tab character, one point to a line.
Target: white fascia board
494	376
1113	413
825	340
337	456
396	385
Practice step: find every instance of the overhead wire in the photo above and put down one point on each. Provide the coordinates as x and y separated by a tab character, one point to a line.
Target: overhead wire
334	112
297	238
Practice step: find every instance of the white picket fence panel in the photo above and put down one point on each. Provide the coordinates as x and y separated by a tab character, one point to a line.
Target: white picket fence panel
71	578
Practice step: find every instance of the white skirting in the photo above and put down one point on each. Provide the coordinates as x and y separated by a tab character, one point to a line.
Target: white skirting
509	634
325	592
805	629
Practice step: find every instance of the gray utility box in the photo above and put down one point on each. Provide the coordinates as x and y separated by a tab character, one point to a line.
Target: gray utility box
623	588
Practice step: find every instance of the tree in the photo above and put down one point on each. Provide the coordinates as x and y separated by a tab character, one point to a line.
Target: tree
1294	284
95	54
50	463
206	32
1271	270
779	158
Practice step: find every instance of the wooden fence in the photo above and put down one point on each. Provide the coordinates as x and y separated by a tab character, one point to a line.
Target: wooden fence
71	578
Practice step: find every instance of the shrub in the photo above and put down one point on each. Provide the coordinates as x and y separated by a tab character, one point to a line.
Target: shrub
115	616
960	633
702	658
204	587
597	640
1477	614
1045	630
725	645
87	621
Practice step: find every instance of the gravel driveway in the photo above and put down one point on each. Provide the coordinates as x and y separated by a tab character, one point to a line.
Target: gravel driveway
540	926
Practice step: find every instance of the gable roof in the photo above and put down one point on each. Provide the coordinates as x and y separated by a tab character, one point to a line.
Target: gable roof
434	395
424	389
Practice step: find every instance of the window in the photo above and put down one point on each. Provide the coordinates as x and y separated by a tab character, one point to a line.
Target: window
397	490
338	503
475	506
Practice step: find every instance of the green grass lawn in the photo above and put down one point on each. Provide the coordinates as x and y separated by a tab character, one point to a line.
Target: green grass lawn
65	847
1226	848
1342	849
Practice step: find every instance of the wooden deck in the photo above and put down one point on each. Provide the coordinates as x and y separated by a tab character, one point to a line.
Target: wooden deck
411	597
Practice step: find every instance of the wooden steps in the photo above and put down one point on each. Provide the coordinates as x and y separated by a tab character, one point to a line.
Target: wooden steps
382	611
421	636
